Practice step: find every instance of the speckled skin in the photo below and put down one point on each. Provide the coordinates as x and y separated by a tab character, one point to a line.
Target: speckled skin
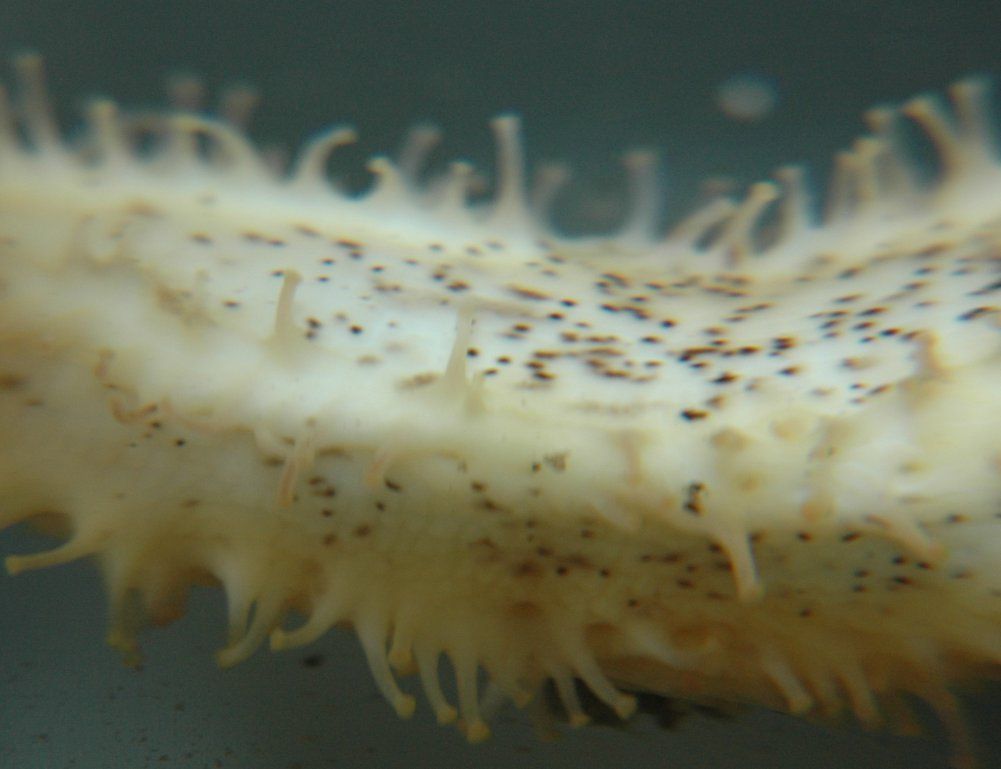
756	460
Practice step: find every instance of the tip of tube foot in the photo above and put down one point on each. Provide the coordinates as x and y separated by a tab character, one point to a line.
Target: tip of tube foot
477	731
446	715
401	659
229	656
125	643
405	705
625	706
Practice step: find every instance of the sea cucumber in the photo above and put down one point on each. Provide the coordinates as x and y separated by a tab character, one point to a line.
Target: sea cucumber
757	459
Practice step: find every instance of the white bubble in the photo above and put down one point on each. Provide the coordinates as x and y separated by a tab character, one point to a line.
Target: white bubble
747	97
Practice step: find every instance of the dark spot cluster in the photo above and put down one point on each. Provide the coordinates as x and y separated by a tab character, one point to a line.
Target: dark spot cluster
697	341
651	339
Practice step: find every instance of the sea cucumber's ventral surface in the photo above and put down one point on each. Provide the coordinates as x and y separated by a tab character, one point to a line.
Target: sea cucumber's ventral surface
756	459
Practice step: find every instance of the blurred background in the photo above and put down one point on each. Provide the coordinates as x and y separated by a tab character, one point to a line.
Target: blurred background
723	88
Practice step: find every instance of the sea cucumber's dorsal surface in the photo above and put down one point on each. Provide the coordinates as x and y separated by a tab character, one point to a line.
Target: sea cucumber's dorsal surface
758	459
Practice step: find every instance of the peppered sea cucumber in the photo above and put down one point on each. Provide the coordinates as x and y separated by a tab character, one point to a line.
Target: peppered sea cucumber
755	460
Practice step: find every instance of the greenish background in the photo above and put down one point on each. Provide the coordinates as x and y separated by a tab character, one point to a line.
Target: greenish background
590	79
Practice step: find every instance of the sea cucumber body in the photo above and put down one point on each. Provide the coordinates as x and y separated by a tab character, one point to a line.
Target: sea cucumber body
765	473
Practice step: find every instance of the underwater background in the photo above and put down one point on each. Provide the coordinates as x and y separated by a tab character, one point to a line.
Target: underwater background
591	80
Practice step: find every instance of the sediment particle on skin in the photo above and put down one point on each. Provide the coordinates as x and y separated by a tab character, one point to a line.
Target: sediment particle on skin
755	460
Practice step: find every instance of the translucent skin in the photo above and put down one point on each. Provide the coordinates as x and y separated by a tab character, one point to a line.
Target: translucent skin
756	460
